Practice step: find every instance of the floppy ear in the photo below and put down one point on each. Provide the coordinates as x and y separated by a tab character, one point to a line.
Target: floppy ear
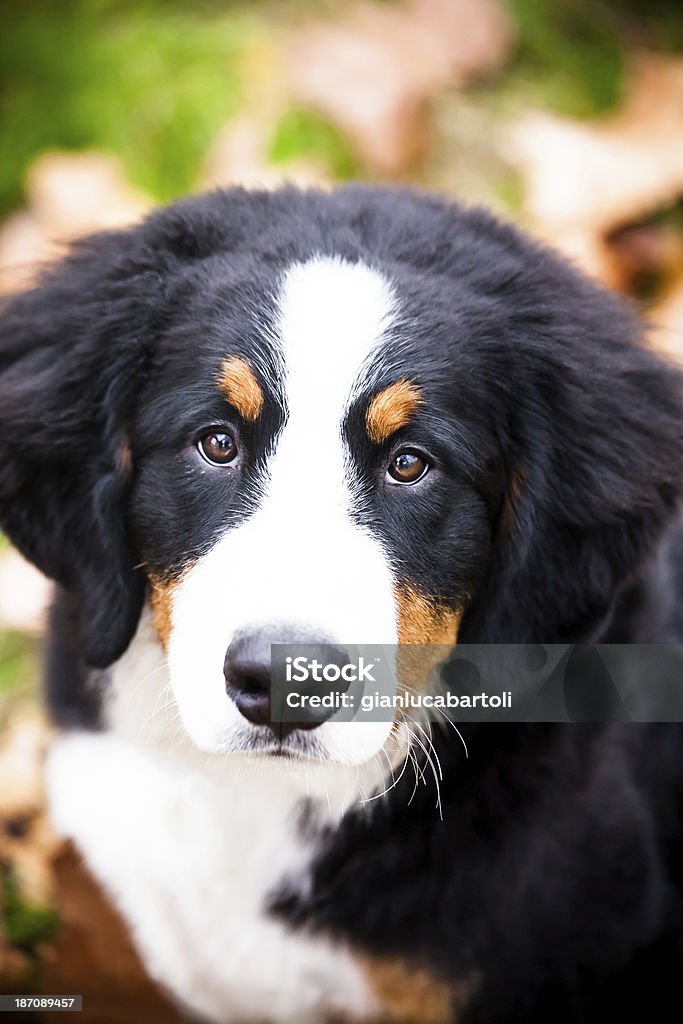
71	354
590	427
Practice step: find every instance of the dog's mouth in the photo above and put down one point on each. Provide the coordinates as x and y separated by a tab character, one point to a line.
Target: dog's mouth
296	745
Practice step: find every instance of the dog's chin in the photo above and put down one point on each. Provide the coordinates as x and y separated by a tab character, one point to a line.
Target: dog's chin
297	746
259	744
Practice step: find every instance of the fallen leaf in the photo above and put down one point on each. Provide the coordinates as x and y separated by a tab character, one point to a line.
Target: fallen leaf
93	954
68	194
666	319
27	841
585	180
373	72
24	594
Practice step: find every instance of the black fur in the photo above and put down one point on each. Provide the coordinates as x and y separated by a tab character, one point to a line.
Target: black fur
553	886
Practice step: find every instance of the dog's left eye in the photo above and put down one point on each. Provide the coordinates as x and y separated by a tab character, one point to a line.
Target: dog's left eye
219	448
408	466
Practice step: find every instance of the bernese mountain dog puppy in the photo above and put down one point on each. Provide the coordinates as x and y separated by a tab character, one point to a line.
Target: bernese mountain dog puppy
360	417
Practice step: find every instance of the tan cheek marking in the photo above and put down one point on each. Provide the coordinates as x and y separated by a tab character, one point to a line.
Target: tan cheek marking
425	629
240	387
391	409
161	601
423	621
412	995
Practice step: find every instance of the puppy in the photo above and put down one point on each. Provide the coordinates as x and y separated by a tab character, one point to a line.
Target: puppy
360	417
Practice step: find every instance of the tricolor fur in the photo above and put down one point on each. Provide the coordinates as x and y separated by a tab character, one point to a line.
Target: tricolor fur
362	417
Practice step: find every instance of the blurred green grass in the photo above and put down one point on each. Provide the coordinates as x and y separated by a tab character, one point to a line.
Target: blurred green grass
19	669
150	82
303	133
25	925
570	57
19	662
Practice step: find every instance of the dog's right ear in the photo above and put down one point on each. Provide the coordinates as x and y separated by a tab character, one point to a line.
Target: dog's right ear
72	351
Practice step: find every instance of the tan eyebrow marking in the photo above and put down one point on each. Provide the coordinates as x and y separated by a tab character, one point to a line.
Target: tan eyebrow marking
391	409
239	385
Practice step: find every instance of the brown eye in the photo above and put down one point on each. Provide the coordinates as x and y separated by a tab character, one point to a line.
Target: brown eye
407	467
218	448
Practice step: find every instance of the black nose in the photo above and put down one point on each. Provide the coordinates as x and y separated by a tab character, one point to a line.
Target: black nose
247	671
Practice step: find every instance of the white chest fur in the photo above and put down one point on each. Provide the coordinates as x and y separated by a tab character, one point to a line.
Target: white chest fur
190	848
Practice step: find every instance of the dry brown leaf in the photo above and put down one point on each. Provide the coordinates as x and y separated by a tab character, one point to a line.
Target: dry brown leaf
69	194
372	73
24	246
666	319
585	180
647	253
24	594
91	953
94	956
27	841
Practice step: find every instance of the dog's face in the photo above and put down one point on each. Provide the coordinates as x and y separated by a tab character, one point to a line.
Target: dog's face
300	476
359	418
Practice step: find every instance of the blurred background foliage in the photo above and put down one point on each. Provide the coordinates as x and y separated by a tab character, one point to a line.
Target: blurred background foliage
149	81
154	80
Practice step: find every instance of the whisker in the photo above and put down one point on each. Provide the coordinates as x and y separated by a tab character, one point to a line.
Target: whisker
429	761
395	781
416	768
449	721
141	682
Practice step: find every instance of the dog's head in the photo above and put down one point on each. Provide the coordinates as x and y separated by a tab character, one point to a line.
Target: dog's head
364	417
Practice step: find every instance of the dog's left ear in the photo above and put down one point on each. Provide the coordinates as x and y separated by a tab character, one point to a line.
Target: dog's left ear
590	431
71	354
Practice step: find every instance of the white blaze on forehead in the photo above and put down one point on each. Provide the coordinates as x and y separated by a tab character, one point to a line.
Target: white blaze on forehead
333	314
300	560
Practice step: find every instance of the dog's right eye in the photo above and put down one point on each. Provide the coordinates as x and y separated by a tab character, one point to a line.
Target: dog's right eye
407	467
218	448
